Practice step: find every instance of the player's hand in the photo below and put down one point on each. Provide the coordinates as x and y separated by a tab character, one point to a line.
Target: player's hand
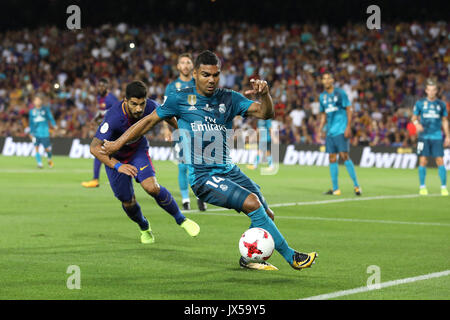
128	169
259	87
321	136
447	141
419	127
109	147
348	132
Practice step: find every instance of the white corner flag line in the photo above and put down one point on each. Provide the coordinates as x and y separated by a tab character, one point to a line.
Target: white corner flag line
378	286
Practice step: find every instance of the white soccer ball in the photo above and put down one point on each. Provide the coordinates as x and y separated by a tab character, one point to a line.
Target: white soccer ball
256	245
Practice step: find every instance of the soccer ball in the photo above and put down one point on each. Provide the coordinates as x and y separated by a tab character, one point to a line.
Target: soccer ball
256	245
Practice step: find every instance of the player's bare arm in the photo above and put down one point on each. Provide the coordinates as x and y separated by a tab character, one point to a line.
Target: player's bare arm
173	122
323	120
134	132
264	108
348	130
446	131
96	150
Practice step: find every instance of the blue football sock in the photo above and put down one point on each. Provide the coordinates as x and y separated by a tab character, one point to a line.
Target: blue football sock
269	160
168	203
260	219
257	160
184	194
97	166
135	214
183	181
38	158
442	175
334	171
351	171
422	175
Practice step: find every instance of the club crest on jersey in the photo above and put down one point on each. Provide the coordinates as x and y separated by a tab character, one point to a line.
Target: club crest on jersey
104	128
222	108
178	85
192	99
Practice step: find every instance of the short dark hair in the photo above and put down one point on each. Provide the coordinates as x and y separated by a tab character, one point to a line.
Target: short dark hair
136	89
208	58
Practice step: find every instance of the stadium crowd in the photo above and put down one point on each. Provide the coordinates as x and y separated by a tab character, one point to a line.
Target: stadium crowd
382	71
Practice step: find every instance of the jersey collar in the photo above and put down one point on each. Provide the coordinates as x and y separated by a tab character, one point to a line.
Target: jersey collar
124	110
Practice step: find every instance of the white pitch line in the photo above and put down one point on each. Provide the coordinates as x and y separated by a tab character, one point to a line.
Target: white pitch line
307	203
382	285
225	212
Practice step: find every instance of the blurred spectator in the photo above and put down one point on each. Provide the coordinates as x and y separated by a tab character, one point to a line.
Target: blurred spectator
383	71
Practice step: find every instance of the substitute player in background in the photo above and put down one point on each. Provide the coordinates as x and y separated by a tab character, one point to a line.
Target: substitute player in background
430	117
38	118
185	67
336	112
212	175
105	101
132	161
264	143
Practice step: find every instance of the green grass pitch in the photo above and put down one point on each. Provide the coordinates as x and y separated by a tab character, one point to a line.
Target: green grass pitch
49	222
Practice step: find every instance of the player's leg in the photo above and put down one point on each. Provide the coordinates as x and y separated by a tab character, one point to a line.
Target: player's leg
37	142
237	176
184	186
259	218
438	153
220	191
334	173
122	186
422	175
332	149
423	151
256	162
268	146
48	149
94	182
269	158
146	177
224	191
351	171
442	175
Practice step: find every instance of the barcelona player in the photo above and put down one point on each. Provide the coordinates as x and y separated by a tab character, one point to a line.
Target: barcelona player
336	113
39	118
105	101
430	117
185	67
205	113
132	161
